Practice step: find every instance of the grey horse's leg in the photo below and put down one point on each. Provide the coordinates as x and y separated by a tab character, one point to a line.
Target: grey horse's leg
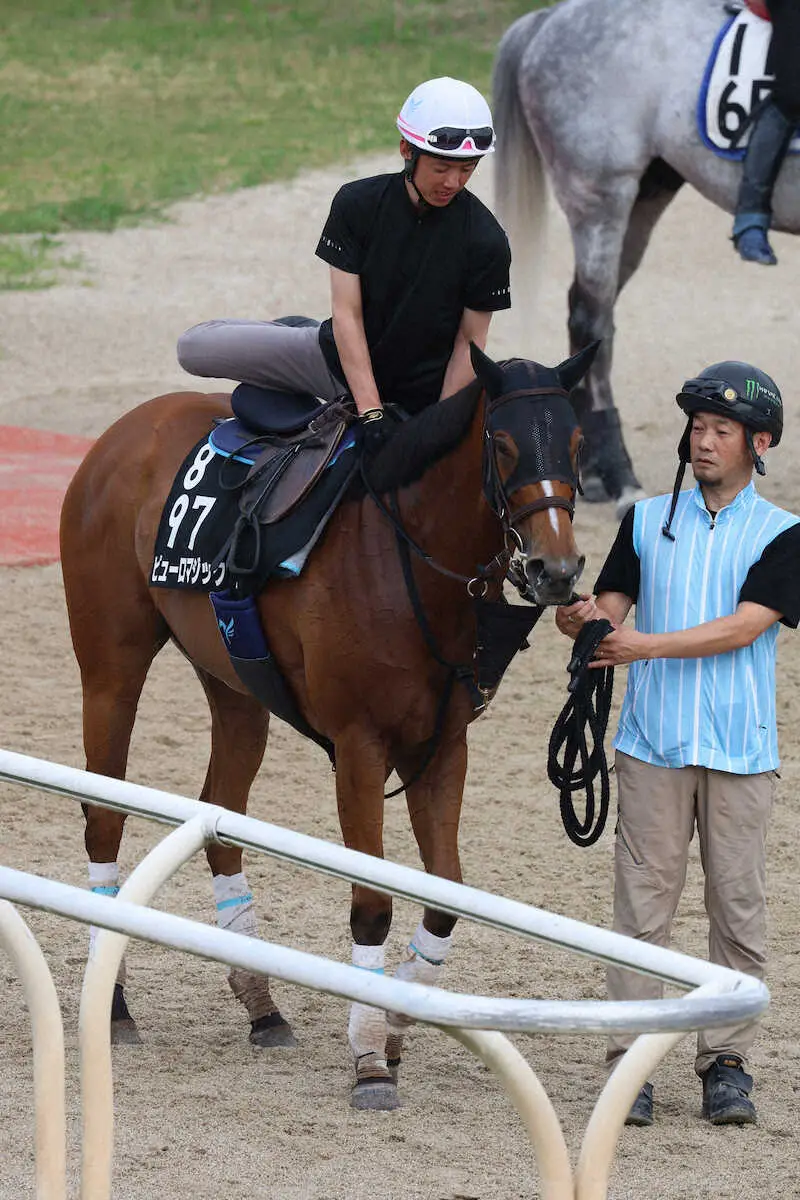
658	187
598	235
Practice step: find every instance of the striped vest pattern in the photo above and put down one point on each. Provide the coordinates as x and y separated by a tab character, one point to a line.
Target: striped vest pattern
716	712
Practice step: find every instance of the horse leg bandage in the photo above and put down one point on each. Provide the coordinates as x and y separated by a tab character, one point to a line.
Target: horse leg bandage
236	912
234	901
423	964
367	1026
104	880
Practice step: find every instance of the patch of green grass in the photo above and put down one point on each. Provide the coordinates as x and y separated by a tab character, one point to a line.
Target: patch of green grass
29	263
111	108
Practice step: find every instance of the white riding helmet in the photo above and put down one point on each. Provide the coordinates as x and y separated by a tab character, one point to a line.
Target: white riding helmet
447	118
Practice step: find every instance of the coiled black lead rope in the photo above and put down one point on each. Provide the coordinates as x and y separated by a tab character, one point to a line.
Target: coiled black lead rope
588	707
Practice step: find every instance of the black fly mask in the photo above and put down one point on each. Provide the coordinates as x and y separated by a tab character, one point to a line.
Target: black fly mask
529	403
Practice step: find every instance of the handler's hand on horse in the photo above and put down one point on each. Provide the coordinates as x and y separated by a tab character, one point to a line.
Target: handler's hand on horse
621	647
375	429
571	618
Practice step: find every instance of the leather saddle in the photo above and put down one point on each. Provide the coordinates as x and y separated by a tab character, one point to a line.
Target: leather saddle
286	466
295	436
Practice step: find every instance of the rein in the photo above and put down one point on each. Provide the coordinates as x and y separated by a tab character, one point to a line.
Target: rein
588	707
498	501
499	563
498	568
456	672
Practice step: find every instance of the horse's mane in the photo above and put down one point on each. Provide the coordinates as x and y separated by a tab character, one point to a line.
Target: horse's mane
419	442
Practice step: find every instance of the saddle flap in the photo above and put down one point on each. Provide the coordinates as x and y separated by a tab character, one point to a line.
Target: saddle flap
268	410
284	472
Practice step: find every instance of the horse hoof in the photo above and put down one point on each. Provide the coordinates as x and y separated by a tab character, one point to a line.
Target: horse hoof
594	490
627	498
375	1095
125	1033
272	1032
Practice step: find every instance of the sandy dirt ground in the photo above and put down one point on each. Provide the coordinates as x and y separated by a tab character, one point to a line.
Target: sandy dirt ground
198	1111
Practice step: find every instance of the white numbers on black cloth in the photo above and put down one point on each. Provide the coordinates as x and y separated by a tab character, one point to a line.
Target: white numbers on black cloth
202	503
198	468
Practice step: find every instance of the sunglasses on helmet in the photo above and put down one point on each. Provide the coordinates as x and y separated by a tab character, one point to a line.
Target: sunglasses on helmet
451	138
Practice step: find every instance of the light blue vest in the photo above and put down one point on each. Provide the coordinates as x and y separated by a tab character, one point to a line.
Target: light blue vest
716	712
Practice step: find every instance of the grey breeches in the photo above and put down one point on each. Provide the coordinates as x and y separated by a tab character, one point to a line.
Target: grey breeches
259	352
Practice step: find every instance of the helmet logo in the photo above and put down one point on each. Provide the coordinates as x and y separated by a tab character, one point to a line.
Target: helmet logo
754	389
730	394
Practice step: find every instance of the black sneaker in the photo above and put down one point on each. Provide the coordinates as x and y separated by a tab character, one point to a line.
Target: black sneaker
726	1092
642	1108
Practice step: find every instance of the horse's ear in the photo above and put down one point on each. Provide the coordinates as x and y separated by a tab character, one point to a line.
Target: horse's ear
488	372
572	370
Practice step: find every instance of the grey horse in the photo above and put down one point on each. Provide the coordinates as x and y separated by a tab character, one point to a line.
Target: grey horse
603	94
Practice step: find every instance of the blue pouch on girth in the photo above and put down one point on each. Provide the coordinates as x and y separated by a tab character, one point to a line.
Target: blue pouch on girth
240	625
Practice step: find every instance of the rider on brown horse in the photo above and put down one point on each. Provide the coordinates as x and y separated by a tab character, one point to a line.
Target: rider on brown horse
417	264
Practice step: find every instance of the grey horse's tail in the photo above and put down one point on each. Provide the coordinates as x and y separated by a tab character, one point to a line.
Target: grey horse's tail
520	187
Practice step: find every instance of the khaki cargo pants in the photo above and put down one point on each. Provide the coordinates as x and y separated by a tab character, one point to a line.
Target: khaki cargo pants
659	808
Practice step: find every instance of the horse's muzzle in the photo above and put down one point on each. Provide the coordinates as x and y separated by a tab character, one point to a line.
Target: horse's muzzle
552	580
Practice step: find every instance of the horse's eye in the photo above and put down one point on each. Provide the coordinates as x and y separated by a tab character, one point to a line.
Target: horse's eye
505	448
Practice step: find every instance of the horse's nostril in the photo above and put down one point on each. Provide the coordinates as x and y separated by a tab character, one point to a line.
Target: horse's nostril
557	570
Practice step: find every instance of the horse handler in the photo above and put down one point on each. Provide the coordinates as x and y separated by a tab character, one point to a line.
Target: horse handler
711	572
417	267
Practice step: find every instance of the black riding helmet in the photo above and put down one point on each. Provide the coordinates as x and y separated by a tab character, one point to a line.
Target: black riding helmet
731	389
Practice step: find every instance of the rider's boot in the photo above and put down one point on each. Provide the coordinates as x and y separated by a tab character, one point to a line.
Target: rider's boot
769	141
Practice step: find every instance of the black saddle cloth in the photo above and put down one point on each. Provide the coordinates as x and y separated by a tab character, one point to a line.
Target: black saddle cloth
195	531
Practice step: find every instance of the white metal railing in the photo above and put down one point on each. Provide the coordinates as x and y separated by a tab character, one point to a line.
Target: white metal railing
720	996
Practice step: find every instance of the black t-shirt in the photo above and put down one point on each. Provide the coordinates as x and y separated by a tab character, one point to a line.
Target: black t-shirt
418	271
773	581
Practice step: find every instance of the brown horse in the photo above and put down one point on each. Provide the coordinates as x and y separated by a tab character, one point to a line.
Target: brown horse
363	637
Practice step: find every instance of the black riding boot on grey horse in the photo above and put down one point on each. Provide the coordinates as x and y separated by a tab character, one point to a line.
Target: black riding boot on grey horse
769	141
772	132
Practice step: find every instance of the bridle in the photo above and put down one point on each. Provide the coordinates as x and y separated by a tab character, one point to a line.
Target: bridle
508	562
498	494
500	504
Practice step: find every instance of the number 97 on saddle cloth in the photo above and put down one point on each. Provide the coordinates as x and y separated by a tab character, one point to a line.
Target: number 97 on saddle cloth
266	500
